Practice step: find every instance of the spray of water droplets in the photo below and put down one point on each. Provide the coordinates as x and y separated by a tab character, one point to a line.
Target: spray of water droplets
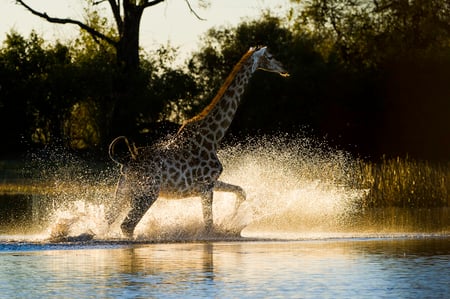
296	188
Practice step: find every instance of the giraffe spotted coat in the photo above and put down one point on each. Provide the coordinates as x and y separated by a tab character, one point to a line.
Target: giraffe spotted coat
186	164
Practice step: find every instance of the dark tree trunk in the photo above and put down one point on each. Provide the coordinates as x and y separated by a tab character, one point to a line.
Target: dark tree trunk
128	66
128	44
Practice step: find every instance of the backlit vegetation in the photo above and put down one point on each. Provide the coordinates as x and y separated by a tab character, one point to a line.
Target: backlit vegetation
404	182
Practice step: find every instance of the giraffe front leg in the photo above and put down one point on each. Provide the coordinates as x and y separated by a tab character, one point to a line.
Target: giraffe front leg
207	200
237	190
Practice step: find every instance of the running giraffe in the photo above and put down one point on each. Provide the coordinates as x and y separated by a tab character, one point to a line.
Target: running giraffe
187	164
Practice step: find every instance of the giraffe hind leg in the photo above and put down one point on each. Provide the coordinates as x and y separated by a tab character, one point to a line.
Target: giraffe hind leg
237	190
139	207
207	200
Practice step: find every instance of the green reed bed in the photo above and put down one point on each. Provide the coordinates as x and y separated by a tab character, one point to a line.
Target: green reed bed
405	182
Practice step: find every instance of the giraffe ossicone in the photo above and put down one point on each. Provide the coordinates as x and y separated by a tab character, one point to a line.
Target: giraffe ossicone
186	164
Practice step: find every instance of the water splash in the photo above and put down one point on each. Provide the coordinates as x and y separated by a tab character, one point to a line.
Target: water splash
296	188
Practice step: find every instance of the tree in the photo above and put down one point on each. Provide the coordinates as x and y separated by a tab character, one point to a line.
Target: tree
369	32
395	52
32	76
125	38
129	80
52	93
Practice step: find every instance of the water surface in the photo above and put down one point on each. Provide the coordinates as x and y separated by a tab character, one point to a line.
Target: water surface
415	267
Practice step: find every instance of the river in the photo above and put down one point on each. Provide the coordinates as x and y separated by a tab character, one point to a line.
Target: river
404	267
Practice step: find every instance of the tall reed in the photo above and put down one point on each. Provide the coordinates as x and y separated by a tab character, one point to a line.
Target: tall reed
405	182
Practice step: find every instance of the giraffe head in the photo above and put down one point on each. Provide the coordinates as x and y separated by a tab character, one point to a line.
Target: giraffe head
263	60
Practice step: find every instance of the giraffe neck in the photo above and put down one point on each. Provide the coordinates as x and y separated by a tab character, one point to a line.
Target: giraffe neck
213	122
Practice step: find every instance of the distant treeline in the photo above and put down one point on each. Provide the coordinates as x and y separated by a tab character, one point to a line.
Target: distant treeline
373	77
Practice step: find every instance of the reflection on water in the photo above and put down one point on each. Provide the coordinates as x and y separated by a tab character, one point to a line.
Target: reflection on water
358	268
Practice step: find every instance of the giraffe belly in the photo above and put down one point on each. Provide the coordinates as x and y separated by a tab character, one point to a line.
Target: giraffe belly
190	182
186	173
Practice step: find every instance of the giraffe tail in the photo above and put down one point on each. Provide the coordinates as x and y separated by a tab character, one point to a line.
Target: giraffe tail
120	159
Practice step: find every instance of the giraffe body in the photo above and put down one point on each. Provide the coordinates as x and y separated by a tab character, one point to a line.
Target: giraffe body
186	164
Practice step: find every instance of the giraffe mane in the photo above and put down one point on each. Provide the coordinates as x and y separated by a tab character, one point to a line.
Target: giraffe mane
222	89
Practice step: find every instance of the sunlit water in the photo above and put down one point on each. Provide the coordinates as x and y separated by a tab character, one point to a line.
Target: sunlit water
346	268
302	233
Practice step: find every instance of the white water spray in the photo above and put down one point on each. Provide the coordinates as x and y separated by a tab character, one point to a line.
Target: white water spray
296	188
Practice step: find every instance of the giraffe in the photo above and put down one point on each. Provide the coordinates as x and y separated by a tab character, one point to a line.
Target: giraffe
186	164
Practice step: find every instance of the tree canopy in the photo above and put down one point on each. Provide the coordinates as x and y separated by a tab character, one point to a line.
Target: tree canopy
370	75
62	93
123	36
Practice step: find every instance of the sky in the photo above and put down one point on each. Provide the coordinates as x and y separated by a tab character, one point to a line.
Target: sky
170	21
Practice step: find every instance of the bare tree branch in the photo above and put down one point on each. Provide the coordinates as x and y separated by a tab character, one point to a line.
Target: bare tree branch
151	3
98	2
115	7
83	26
193	11
154	2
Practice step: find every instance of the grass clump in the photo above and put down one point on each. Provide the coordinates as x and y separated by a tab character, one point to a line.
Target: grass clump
405	182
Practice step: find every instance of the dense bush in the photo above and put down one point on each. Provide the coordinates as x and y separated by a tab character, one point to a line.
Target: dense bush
368	75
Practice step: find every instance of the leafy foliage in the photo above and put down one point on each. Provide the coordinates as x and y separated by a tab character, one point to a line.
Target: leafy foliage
65	93
370	75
